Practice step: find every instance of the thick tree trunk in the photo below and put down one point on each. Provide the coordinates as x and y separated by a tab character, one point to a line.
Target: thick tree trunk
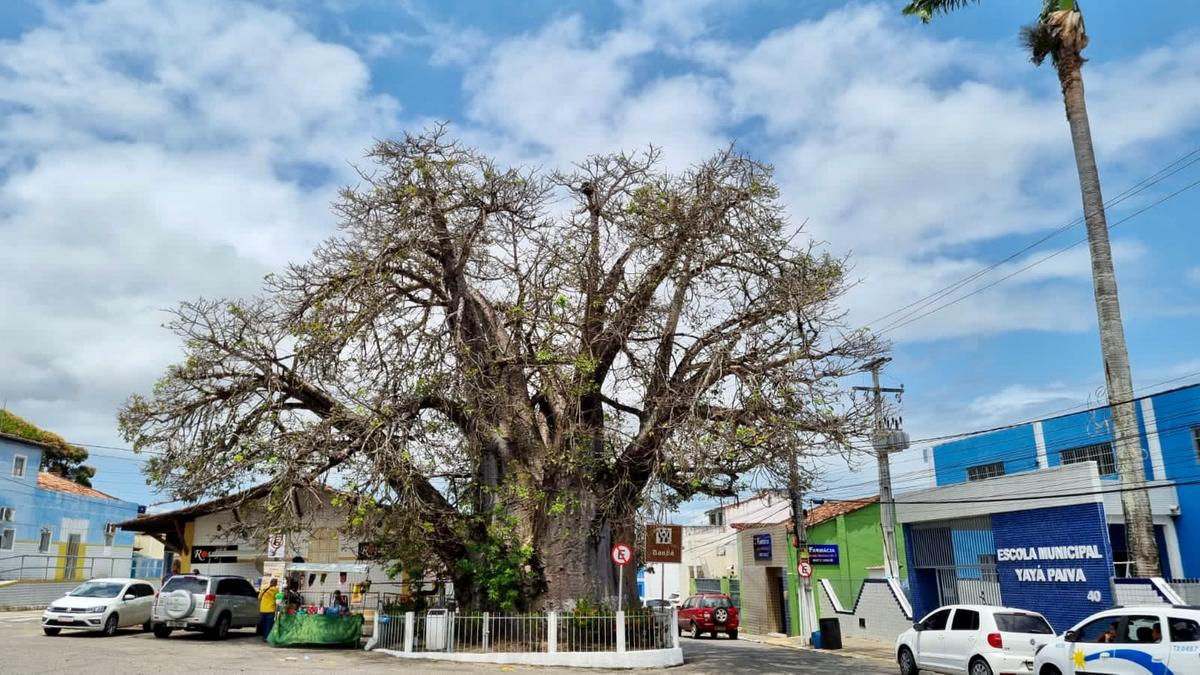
1139	526
574	549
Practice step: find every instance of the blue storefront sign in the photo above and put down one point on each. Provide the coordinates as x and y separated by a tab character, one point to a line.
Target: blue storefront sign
823	554
1056	561
762	547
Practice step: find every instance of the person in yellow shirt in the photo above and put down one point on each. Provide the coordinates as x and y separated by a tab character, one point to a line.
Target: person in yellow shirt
266	608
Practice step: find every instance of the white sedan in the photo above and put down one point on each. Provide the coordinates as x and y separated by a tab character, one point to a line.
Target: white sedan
1154	640
101	605
973	639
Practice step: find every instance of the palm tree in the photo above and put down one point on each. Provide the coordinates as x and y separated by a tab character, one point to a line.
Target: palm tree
1059	34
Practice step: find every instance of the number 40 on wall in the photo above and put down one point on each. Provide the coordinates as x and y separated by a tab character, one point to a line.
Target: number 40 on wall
1093	596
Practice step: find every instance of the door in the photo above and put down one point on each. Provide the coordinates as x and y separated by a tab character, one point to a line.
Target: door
250	601
71	562
1185	645
960	639
931	640
143	604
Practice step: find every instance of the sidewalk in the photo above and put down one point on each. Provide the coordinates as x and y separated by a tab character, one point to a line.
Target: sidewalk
853	647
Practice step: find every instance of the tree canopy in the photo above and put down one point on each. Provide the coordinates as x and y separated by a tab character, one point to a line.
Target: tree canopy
500	362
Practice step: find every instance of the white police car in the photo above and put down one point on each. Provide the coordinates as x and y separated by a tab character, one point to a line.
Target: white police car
1152	640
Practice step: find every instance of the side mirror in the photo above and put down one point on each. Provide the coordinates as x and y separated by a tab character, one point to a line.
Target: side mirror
1071	636
918	626
130	596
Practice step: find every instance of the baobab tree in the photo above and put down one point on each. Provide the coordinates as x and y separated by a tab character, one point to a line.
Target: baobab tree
1059	34
496	365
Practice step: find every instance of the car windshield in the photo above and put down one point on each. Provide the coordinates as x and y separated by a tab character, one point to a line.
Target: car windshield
716	602
1023	623
185	583
97	589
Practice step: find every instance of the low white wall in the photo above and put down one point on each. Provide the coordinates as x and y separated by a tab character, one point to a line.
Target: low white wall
651	658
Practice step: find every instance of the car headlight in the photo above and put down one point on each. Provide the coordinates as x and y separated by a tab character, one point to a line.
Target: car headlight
98	609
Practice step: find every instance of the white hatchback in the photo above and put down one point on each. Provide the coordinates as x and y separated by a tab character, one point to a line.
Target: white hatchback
101	605
1153	640
973	639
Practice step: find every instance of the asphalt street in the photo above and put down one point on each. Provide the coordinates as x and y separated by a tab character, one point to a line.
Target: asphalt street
27	650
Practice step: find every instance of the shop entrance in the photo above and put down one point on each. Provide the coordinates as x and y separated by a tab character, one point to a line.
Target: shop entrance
779	615
958	558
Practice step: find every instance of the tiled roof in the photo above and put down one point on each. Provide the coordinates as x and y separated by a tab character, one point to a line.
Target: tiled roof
816	515
49	481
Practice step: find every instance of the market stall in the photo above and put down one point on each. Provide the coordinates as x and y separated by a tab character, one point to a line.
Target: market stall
318	617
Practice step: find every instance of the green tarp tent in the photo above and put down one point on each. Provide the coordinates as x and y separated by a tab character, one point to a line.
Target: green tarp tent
316	629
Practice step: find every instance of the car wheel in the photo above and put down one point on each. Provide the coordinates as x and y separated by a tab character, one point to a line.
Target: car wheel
110	626
732	635
1050	670
161	631
695	631
51	631
980	667
908	664
221	630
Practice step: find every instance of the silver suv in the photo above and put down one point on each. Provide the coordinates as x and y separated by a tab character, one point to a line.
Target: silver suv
213	604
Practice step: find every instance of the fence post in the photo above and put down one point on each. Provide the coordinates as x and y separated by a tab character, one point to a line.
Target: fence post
552	632
620	631
675	628
409	629
486	636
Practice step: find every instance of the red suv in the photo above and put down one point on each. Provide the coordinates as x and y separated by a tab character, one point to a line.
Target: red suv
708	613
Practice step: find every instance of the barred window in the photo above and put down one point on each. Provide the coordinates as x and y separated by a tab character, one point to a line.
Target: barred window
985	471
1100	453
1196	441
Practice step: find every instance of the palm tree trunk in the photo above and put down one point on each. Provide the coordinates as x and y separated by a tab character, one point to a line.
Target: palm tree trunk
1139	525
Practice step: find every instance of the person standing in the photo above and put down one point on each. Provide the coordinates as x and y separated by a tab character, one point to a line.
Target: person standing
266	608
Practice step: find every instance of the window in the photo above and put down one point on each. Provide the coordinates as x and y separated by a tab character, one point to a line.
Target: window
6	539
18	468
44	541
141	590
323	546
965	619
1100	630
228	587
1100	453
1142	629
937	620
187	583
108	539
985	471
1022	623
1184	630
713	603
1196	441
245	588
717	518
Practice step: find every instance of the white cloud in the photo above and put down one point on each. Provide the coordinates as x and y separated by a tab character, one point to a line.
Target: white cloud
152	152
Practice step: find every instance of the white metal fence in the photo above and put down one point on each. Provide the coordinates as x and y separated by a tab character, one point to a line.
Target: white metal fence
440	630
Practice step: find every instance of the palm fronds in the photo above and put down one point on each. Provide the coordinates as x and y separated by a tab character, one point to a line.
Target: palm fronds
925	9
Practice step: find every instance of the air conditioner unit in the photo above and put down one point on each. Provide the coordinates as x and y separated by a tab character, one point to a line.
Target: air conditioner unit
7	514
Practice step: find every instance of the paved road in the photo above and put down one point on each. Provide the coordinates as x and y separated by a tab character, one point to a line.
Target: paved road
27	650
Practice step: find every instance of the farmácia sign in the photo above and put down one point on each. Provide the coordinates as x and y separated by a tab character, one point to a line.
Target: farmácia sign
1050	553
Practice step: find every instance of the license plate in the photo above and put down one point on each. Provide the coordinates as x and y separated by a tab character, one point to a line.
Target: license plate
66	618
175	624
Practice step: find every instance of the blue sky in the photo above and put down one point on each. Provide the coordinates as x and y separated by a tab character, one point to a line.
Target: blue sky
157	151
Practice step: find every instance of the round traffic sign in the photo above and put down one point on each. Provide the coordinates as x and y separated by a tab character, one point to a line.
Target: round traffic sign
622	554
804	568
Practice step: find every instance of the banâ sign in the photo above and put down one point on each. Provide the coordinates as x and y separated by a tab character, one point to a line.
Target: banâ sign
663	543
762	546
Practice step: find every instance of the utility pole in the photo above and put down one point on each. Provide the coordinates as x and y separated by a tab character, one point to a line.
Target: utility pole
808	609
886	439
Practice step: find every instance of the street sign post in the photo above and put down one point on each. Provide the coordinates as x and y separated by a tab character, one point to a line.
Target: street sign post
804	568
622	555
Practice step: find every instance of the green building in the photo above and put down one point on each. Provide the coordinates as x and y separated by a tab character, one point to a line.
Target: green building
854	528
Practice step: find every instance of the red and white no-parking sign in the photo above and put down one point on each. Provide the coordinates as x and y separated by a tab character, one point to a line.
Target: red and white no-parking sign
622	554
804	568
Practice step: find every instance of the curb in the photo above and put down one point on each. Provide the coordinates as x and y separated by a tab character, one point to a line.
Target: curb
788	645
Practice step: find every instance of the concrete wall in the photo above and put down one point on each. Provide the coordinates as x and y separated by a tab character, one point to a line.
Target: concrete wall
876	612
1175	415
